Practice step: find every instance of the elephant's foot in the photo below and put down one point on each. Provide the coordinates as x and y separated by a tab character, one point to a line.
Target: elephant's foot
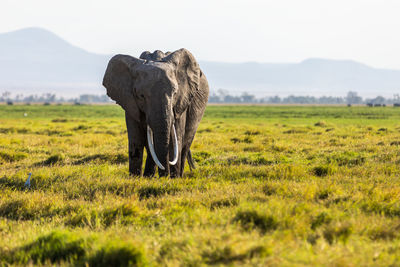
164	173
135	159
135	168
175	171
149	169
135	172
149	173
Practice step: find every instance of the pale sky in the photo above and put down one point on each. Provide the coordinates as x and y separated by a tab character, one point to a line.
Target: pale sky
221	30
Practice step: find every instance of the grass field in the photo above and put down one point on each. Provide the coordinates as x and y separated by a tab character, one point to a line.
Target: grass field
278	185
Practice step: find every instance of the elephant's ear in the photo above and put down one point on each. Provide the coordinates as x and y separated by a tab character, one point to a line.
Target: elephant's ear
119	81
188	76
187	69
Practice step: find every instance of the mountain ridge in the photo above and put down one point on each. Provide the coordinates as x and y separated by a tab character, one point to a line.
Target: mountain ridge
35	60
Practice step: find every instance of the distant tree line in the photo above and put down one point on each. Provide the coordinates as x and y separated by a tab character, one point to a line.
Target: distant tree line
223	96
52	98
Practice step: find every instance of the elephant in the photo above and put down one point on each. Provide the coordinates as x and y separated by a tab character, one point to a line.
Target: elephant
164	96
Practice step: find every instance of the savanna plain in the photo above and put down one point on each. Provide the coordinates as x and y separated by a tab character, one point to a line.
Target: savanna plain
274	185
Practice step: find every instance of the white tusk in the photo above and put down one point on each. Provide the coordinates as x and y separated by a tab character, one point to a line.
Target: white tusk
175	147
151	147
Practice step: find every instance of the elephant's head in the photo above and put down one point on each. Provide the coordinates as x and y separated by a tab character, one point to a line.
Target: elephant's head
157	88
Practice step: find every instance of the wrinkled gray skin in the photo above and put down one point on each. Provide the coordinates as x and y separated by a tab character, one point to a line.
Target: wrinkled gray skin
158	90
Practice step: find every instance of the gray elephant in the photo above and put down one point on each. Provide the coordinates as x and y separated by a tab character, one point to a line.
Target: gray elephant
164	97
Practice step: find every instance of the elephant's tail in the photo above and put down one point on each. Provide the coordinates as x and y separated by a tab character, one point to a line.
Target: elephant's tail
191	161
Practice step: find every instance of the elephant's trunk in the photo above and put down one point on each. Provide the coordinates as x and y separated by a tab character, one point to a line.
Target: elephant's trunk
161	145
160	124
150	140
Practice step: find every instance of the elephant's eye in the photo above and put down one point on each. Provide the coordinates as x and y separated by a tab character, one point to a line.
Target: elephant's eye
139	94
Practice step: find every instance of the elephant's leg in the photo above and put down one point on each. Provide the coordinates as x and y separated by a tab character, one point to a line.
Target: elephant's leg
150	167
135	159
193	117
174	169
136	145
180	132
185	151
187	142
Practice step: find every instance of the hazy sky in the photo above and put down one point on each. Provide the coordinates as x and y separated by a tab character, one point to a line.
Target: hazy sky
222	30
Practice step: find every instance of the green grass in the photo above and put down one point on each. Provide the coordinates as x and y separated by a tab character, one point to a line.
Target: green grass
274	185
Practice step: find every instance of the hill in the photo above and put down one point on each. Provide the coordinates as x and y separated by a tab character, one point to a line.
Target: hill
310	77
34	60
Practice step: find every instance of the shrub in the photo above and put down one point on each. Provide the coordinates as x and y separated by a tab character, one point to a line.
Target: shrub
23	131
346	158
387	209
270	189
82	127
93	218
252	132
207	130
85	218
227	255
323	194
54	247
250	219
201	156
287	171
12	157
227	202
235	140
148	191
337	232
320	171
125	212
248	140
322	218
296	131
7	130
395	143
59	120
174	249
279	148
320	124
384	232
255	160
30	208
119	253
118	158
253	148
323	170
312	238
54	159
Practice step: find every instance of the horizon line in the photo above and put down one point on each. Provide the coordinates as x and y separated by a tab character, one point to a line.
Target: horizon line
347	60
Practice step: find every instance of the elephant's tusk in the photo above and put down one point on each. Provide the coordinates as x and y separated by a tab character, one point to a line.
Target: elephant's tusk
175	147
151	147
